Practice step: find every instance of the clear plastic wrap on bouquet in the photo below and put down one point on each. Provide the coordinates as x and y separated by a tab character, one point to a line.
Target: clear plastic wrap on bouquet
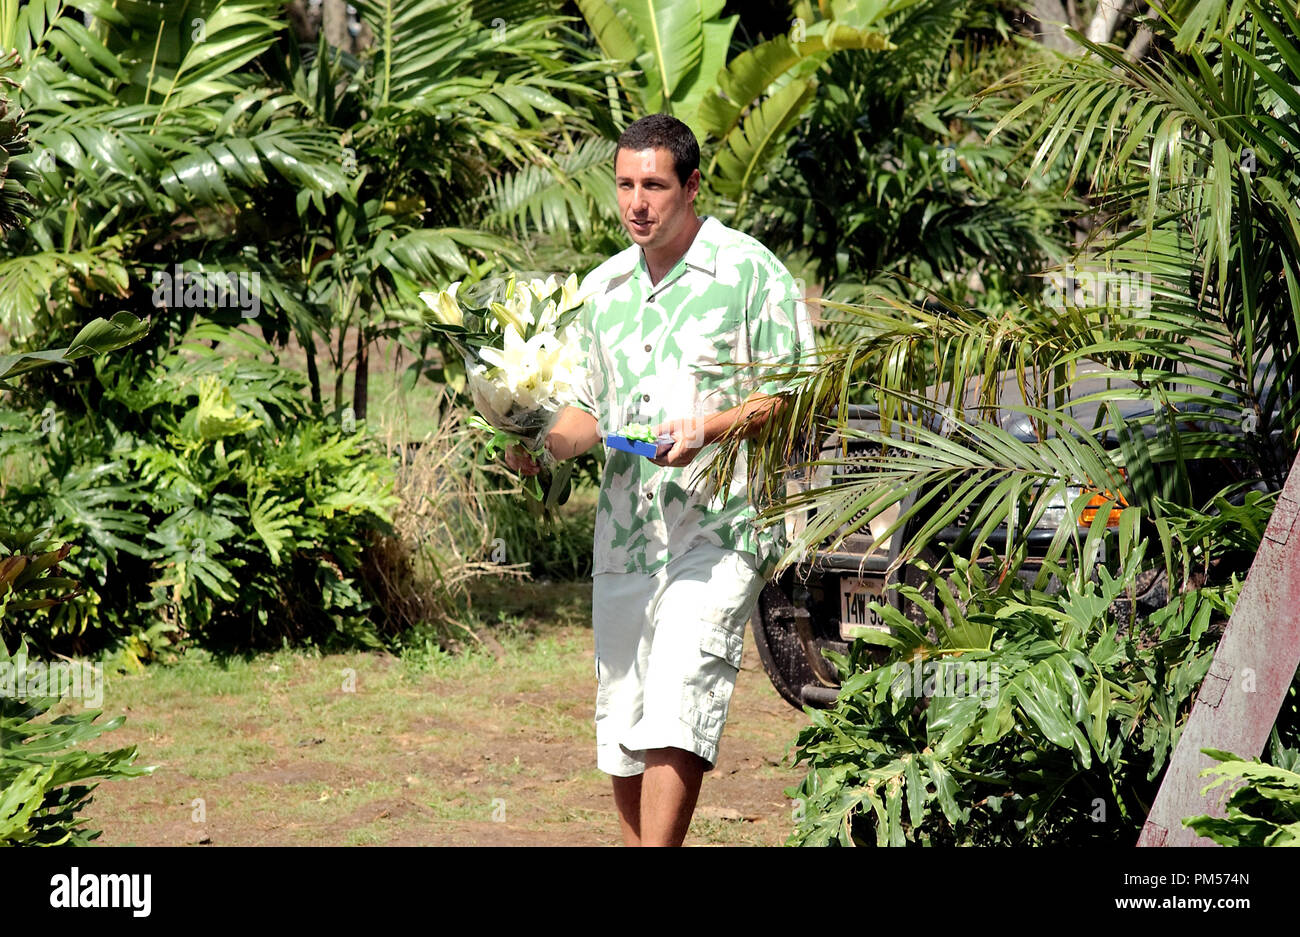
497	406
522	359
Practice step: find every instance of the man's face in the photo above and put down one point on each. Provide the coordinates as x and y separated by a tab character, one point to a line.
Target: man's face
654	206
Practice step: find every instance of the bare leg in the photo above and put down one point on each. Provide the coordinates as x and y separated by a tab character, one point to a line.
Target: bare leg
668	794
627	800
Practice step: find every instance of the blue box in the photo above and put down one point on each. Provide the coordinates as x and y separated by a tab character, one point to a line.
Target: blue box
638	447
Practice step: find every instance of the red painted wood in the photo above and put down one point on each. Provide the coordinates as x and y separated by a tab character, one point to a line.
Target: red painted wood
1247	682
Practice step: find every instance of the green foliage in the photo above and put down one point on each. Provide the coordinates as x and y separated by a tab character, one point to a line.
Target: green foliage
208	493
28	565
888	173
42	776
1073	392
556	545
1059	729
1192	160
343	183
1264	810
96	337
15	203
671	56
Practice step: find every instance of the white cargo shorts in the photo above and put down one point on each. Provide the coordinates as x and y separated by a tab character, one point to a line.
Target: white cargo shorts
668	648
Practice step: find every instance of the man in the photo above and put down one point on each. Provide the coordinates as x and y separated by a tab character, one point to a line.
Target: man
677	574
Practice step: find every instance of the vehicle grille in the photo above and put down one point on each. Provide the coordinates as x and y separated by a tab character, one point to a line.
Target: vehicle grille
859	461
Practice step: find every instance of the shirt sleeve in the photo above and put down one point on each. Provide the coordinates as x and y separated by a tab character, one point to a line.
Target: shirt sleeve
781	335
584	395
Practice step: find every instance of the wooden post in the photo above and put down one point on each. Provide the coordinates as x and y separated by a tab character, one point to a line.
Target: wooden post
1247	682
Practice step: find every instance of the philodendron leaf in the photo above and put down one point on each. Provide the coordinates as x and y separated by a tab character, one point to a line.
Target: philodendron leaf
96	337
747	148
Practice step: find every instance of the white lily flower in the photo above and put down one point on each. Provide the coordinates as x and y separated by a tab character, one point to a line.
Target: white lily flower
444	306
544	289
492	398
534	369
570	295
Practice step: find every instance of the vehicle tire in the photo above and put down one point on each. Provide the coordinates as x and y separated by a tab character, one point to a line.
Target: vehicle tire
779	649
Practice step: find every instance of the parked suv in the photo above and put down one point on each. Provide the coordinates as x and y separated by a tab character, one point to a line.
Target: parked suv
818	604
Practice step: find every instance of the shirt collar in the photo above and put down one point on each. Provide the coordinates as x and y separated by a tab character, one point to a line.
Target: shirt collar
702	254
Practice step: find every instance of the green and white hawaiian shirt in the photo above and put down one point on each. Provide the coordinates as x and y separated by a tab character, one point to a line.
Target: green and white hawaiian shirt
658	352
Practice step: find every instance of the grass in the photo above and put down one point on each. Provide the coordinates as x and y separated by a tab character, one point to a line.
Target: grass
493	745
208	720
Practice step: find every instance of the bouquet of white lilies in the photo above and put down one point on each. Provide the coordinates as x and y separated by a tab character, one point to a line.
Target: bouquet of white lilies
522	359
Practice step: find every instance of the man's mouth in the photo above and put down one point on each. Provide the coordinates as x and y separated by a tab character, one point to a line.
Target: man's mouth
641	227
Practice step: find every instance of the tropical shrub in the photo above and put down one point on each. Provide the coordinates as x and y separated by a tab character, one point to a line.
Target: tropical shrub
42	776
28	565
207	492
209	138
1033	715
682	58
1263	810
888	182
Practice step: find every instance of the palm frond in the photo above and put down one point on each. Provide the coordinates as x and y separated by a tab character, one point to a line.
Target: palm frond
576	188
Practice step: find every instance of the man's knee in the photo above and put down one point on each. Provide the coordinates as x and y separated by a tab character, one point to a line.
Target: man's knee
677	757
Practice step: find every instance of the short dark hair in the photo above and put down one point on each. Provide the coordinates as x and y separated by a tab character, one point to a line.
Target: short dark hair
667	132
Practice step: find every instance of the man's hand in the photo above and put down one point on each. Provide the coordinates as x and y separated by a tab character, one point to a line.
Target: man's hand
688	436
518	459
573	434
693	434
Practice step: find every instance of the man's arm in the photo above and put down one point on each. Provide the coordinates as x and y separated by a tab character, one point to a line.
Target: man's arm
692	435
753	414
574	433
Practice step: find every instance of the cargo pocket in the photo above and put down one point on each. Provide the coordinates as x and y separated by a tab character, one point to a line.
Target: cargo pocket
724	624
724	637
721	645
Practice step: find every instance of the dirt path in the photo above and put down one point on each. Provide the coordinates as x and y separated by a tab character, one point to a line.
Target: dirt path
294	749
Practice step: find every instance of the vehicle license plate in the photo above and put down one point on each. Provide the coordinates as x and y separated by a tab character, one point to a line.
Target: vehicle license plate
856	616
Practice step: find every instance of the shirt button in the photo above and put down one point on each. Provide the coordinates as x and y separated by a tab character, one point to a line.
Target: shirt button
645	397
647	347
649	495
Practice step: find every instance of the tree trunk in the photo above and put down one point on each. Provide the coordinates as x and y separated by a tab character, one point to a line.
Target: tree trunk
1052	17
344	32
313	375
304	17
1141	42
1105	20
1138	47
361	376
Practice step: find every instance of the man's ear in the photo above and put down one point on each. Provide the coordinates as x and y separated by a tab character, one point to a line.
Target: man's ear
693	184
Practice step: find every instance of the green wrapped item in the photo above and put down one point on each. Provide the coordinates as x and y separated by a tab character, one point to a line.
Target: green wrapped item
641	431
